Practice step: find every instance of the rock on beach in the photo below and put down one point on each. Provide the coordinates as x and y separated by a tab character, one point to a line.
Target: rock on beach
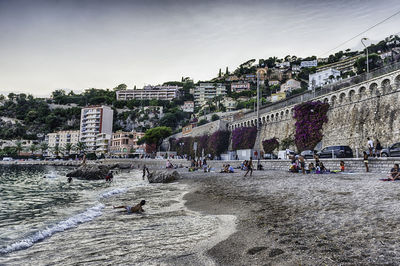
164	176
90	172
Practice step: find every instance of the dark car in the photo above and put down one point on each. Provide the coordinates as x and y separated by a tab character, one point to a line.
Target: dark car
270	156
392	151
337	151
308	154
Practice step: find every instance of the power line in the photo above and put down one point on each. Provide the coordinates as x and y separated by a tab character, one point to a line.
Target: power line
398	12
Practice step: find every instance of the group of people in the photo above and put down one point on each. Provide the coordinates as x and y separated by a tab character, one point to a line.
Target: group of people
374	149
227	168
199	164
298	164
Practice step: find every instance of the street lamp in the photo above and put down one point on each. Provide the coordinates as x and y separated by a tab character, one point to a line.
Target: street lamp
366	48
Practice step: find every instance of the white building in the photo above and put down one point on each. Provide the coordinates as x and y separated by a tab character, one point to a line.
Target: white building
312	63
62	138
290	85
229	103
207	91
322	78
283	65
103	141
95	120
240	86
166	93
188	106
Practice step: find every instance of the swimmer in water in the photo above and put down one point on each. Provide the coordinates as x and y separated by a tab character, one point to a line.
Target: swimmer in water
130	209
69	179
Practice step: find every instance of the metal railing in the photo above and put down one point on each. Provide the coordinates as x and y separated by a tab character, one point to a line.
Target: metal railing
308	95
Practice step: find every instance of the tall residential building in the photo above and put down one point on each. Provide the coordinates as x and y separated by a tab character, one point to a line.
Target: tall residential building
207	91
343	65
188	106
166	93
240	86
102	143
125	143
95	120
62	138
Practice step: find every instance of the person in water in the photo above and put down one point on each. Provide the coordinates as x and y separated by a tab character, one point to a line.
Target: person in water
130	209
69	179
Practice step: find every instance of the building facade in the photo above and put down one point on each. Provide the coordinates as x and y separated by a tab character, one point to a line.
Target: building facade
125	143
95	120
240	86
166	93
322	78
290	85
62	138
207	91
102	143
188	106
344	65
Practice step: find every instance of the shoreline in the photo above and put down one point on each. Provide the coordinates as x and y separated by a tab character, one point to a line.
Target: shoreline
293	219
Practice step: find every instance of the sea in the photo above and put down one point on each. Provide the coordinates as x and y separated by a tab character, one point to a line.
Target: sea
44	220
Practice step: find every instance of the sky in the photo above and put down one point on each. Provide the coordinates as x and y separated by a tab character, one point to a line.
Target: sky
74	45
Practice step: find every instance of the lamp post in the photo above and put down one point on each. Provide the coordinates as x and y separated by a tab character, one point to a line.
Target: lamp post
366	48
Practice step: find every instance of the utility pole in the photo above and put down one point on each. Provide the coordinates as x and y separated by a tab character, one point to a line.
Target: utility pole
366	48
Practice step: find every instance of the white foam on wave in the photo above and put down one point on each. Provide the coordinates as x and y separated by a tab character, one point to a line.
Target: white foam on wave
71	222
113	192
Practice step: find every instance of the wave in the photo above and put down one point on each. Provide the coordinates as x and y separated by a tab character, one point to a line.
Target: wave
71	222
113	192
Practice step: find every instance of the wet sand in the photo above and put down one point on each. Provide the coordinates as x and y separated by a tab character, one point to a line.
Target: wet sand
295	219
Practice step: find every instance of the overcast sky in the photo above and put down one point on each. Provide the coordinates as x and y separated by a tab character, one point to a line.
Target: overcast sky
46	45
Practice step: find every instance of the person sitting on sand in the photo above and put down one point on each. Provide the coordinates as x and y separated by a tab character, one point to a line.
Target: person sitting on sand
311	167
169	164
136	208
395	172
230	169
342	166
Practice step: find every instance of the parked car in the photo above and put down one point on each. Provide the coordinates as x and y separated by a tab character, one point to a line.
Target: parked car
283	154
308	154
338	152
270	156
392	151
7	159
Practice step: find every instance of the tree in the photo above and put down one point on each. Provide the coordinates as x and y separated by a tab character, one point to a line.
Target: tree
81	147
214	117
121	87
269	145
226	71
202	122
68	147
220	73
57	150
219	142
43	147
155	136
33	148
18	147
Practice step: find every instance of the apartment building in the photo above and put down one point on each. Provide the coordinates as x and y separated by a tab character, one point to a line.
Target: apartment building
125	143
166	93
290	85
62	138
207	91
103	141
344	65
95	120
188	106
240	86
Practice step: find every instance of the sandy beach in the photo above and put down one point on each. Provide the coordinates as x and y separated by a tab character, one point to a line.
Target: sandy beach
295	219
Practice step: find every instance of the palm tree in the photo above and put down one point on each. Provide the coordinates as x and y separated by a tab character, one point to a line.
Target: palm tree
43	147
68	147
18	147
57	150
33	148
81	147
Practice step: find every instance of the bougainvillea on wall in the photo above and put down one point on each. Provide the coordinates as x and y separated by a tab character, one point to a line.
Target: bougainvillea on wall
218	142
202	144
269	145
244	138
310	118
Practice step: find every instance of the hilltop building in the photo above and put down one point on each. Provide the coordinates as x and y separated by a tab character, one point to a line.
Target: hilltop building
290	85
322	78
344	65
207	91
166	93
94	121
240	86
188	106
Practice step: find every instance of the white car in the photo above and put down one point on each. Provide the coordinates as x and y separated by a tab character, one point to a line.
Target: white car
7	159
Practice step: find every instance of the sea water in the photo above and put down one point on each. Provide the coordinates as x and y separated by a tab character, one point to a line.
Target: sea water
46	220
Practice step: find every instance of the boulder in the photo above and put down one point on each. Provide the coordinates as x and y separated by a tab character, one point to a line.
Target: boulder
90	172
164	176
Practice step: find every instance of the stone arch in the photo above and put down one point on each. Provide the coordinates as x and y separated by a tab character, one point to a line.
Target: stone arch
373	89
362	92
267	118
385	86
333	100
272	118
342	98
397	82
282	114
287	113
351	95
263	120
326	100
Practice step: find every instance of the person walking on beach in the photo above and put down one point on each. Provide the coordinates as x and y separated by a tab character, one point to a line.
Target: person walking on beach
316	157
378	148
302	164
130	209
366	161
249	167
370	144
